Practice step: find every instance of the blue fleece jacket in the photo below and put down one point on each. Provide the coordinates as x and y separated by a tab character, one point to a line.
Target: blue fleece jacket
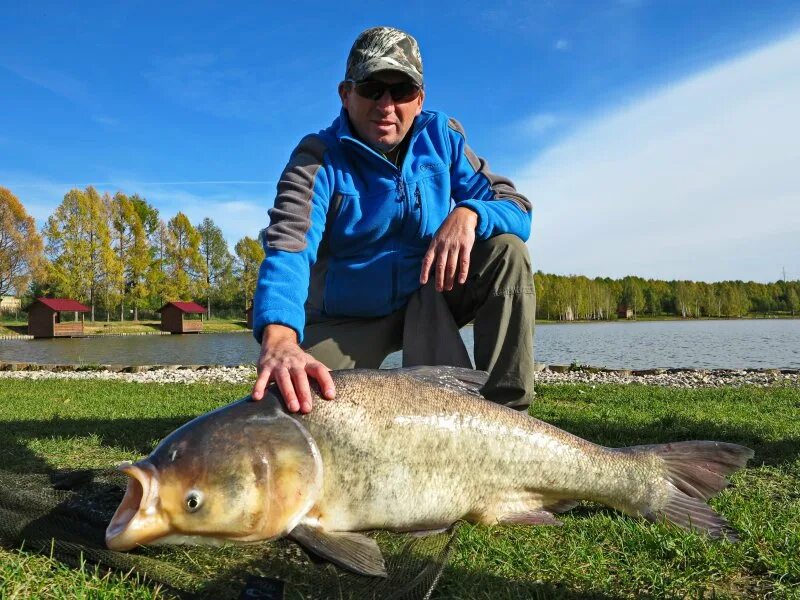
349	229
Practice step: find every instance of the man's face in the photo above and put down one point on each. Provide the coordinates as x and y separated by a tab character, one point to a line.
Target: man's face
382	123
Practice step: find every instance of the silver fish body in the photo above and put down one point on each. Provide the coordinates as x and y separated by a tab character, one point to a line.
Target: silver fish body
405	450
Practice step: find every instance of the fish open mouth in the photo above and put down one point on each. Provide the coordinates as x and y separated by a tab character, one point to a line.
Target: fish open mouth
137	519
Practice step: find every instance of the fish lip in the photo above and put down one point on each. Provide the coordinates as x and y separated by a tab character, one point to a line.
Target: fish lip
135	521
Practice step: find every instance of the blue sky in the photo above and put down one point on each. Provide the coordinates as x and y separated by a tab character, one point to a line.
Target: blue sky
655	138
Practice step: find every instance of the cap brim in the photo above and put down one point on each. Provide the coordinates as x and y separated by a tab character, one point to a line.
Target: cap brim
370	67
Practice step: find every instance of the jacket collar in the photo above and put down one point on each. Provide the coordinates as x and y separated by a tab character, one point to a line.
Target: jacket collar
345	134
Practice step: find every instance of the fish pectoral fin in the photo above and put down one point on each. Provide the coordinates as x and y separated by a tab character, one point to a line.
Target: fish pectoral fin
352	551
533	517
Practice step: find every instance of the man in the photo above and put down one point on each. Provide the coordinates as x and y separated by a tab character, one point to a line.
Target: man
363	229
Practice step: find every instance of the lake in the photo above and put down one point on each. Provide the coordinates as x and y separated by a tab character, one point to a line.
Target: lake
634	345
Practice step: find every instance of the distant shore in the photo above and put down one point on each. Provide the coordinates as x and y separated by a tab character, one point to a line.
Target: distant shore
19	329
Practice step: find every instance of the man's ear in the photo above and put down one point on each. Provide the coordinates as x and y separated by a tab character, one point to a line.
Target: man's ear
344	93
420	100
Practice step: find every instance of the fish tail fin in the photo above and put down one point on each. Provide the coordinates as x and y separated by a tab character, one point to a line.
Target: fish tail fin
692	473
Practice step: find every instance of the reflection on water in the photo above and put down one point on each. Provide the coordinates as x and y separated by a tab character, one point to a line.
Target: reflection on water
635	345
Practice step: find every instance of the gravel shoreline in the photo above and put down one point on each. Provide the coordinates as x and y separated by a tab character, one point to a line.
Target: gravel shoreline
552	374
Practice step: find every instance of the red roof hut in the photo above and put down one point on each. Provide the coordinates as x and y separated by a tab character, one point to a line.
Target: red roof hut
44	318
172	317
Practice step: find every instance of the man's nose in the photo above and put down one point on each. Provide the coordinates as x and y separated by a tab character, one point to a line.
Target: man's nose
385	102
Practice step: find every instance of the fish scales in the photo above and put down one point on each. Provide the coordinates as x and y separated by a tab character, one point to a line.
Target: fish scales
440	455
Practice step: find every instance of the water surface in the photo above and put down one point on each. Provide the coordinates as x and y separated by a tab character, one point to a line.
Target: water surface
636	345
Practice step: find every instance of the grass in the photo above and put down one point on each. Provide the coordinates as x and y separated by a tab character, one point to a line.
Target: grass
598	553
213	325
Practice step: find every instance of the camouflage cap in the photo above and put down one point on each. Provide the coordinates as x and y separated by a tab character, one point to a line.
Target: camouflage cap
384	49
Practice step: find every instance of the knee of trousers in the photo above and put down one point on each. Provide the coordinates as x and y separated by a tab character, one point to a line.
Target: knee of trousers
512	257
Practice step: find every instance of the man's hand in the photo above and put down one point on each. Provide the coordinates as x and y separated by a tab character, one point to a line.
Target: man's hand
450	249
283	360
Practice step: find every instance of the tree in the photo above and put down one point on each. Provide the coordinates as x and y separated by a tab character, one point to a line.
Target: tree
632	295
793	300
249	254
218	259
132	250
20	245
79	246
158	283
185	265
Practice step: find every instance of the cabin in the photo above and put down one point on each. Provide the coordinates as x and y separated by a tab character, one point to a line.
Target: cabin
625	312
249	314
176	317
44	318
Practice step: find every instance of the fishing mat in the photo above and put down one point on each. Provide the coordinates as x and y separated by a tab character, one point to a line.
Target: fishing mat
65	514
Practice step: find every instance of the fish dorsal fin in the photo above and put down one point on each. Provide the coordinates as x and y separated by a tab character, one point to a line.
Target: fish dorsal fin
352	551
459	379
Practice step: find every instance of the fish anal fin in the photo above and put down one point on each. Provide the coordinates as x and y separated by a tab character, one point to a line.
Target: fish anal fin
352	551
532	517
561	506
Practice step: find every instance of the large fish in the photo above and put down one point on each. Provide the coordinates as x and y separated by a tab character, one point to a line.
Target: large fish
405	450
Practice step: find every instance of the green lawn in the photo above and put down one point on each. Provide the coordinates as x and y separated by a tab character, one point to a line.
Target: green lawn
598	553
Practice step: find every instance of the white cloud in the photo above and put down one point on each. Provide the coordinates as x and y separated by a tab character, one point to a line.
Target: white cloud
541	123
562	45
699	179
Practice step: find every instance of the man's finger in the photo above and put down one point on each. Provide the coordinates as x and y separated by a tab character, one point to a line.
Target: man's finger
441	264
463	270
427	262
323	376
284	381
450	270
301	387
261	384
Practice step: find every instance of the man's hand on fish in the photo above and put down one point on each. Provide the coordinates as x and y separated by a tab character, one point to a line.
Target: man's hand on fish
450	249
283	361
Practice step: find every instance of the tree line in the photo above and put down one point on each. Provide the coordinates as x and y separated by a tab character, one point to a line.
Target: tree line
117	255
568	297
120	257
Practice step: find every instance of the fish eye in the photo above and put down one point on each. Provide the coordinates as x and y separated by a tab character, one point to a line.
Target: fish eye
194	500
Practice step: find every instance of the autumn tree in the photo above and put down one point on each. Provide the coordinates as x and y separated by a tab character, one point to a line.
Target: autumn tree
129	241
20	245
185	266
217	258
79	246
249	256
158	283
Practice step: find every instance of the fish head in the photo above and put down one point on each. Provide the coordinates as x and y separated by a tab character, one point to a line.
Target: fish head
244	473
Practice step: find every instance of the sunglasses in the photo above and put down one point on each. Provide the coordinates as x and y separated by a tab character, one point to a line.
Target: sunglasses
404	91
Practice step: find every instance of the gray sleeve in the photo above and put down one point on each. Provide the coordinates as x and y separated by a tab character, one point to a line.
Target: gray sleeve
290	218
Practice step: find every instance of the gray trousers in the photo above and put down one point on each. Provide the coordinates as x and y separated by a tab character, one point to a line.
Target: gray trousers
498	297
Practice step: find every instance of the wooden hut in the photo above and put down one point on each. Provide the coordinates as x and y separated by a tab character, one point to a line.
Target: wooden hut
249	315
173	317
44	318
625	312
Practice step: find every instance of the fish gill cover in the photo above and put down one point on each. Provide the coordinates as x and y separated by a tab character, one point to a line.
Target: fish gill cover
65	514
